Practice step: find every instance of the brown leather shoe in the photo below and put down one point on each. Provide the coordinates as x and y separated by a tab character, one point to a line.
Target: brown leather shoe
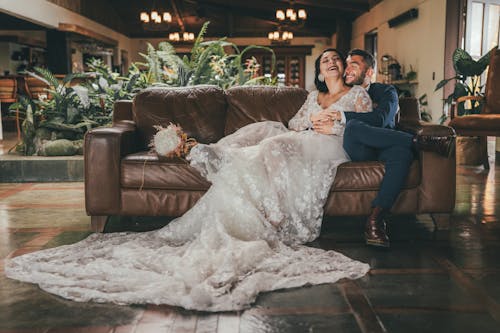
375	229
442	145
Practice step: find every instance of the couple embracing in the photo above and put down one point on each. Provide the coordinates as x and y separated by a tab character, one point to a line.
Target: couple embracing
246	234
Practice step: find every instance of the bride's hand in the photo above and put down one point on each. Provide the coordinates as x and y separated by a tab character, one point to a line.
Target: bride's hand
320	117
334	115
324	127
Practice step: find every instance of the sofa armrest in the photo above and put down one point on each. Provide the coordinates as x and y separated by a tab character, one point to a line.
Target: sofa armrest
426	129
438	186
437	190
103	150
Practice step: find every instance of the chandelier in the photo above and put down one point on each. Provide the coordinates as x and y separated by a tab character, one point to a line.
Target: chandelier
280	36
291	15
287	18
182	36
156	19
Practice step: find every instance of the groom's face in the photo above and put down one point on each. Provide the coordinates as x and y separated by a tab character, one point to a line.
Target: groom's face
356	70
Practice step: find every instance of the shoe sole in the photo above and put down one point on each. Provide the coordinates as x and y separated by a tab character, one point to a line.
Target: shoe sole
377	243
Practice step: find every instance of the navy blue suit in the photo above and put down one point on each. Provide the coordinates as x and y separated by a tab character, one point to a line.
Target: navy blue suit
371	137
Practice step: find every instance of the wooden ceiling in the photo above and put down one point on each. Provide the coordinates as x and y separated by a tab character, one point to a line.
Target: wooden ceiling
233	18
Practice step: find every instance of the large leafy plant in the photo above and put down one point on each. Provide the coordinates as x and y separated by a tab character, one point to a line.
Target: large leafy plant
217	62
73	108
467	93
63	111
102	89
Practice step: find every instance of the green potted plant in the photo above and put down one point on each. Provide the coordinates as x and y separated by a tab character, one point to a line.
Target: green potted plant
467	95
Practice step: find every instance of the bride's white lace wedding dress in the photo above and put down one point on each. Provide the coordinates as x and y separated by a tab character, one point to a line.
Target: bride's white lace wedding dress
243	236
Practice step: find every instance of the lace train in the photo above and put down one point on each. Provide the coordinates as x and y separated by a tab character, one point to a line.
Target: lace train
241	238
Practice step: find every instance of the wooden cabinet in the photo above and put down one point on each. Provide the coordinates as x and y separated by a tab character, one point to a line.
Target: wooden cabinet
290	64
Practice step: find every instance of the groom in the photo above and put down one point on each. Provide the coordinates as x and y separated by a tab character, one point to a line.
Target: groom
371	137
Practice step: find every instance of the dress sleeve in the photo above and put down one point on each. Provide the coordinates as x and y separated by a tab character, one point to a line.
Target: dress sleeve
362	101
301	121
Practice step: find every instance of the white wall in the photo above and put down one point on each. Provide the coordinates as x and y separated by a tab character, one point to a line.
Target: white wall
419	42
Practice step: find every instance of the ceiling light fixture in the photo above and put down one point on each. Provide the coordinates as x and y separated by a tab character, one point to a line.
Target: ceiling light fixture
287	19
291	15
181	36
156	19
280	36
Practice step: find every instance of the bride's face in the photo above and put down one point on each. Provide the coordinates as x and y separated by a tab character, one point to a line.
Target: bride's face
331	65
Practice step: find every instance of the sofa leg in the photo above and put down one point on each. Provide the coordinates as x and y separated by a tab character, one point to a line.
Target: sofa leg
441	221
484	152
97	223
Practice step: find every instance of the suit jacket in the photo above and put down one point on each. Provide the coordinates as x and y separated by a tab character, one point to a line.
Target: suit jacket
385	107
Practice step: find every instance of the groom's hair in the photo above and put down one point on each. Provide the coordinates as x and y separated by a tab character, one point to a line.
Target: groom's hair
367	57
321	85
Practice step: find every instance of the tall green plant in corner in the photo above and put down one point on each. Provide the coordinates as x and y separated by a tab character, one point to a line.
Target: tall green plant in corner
467	93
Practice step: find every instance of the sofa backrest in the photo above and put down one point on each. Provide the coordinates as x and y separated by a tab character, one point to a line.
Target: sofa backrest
249	104
199	110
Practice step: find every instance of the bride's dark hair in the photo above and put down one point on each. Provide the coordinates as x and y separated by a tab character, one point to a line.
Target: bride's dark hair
321	86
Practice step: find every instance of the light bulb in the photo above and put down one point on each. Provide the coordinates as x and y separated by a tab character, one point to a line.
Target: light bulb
167	17
154	15
280	15
302	14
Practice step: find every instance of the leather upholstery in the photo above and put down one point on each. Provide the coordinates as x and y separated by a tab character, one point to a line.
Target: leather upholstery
199	110
481	122
367	176
492	93
247	105
144	170
123	178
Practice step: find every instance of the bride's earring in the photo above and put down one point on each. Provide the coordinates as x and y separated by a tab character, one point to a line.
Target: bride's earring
321	78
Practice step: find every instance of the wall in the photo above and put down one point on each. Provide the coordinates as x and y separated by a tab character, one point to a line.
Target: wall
419	43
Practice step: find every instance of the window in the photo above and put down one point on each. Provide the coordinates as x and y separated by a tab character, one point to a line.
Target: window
482	28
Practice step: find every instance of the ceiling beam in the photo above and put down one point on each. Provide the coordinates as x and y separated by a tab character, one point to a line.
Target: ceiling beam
266	5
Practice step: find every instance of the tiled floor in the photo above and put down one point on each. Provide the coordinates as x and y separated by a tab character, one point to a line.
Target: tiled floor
427	282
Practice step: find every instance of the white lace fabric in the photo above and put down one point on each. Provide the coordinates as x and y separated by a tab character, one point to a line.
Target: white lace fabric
243	237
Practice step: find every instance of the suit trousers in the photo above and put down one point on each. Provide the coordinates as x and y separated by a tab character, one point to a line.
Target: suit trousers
363	142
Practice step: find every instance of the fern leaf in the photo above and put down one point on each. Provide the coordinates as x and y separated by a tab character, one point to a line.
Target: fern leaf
46	76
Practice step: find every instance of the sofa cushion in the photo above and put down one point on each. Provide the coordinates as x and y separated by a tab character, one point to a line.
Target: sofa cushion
353	176
250	104
145	170
200	110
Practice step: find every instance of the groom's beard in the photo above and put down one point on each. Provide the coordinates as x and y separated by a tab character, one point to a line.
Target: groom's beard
360	79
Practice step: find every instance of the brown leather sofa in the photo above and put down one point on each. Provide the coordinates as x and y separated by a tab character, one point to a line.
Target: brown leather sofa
123	178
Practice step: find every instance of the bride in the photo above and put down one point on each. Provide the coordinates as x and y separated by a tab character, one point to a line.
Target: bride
243	237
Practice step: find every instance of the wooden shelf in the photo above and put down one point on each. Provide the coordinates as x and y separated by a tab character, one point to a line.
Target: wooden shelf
402	82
